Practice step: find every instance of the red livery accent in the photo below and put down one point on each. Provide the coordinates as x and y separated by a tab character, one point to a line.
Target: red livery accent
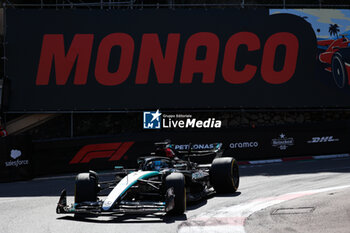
333	46
114	151
336	59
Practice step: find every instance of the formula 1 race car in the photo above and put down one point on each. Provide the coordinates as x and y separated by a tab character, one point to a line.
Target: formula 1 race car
164	182
335	56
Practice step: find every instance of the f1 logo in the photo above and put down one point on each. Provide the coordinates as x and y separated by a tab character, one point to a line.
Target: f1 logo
151	120
113	151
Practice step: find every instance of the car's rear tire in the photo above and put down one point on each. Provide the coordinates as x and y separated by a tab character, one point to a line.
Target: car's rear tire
339	70
224	175
177	182
86	187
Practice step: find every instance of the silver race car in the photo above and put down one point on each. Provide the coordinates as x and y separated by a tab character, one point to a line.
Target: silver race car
164	182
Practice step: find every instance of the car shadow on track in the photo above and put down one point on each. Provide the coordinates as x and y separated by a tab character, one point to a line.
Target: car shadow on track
129	219
147	218
197	204
235	194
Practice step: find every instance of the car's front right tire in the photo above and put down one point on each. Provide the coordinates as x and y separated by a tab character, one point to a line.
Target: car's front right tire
86	188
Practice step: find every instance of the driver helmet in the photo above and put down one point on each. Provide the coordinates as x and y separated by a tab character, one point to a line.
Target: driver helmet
158	164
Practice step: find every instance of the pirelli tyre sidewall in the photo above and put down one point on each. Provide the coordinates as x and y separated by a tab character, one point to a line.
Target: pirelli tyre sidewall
224	175
86	187
177	182
339	70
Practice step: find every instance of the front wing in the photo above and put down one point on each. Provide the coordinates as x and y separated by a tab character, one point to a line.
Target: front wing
123	207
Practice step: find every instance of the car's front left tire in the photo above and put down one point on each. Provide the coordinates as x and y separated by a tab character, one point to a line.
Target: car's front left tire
177	182
224	175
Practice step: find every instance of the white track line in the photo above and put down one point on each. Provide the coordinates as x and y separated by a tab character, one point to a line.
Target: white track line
331	156
266	161
290	159
231	219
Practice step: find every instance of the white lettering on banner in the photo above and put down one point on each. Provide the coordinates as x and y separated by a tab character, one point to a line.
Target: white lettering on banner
323	139
195	147
191	123
282	142
16	163
234	145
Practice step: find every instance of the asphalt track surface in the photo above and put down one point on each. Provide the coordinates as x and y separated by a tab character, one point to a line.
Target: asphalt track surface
298	196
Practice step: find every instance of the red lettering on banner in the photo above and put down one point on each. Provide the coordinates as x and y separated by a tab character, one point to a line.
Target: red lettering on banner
229	72
164	62
206	66
291	44
164	65
126	43
53	50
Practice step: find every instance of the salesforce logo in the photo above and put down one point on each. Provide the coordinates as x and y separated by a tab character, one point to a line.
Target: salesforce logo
235	145
15	154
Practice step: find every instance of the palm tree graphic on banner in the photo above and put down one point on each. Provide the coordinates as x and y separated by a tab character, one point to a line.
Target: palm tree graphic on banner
333	29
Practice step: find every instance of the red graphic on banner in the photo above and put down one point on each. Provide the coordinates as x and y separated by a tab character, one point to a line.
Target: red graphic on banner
113	151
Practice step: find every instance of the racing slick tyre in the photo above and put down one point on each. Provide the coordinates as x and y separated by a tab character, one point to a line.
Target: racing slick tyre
338	70
224	175
177	181
86	187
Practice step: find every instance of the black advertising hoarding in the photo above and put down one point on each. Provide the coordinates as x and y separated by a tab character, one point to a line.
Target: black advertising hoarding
73	60
82	154
15	158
